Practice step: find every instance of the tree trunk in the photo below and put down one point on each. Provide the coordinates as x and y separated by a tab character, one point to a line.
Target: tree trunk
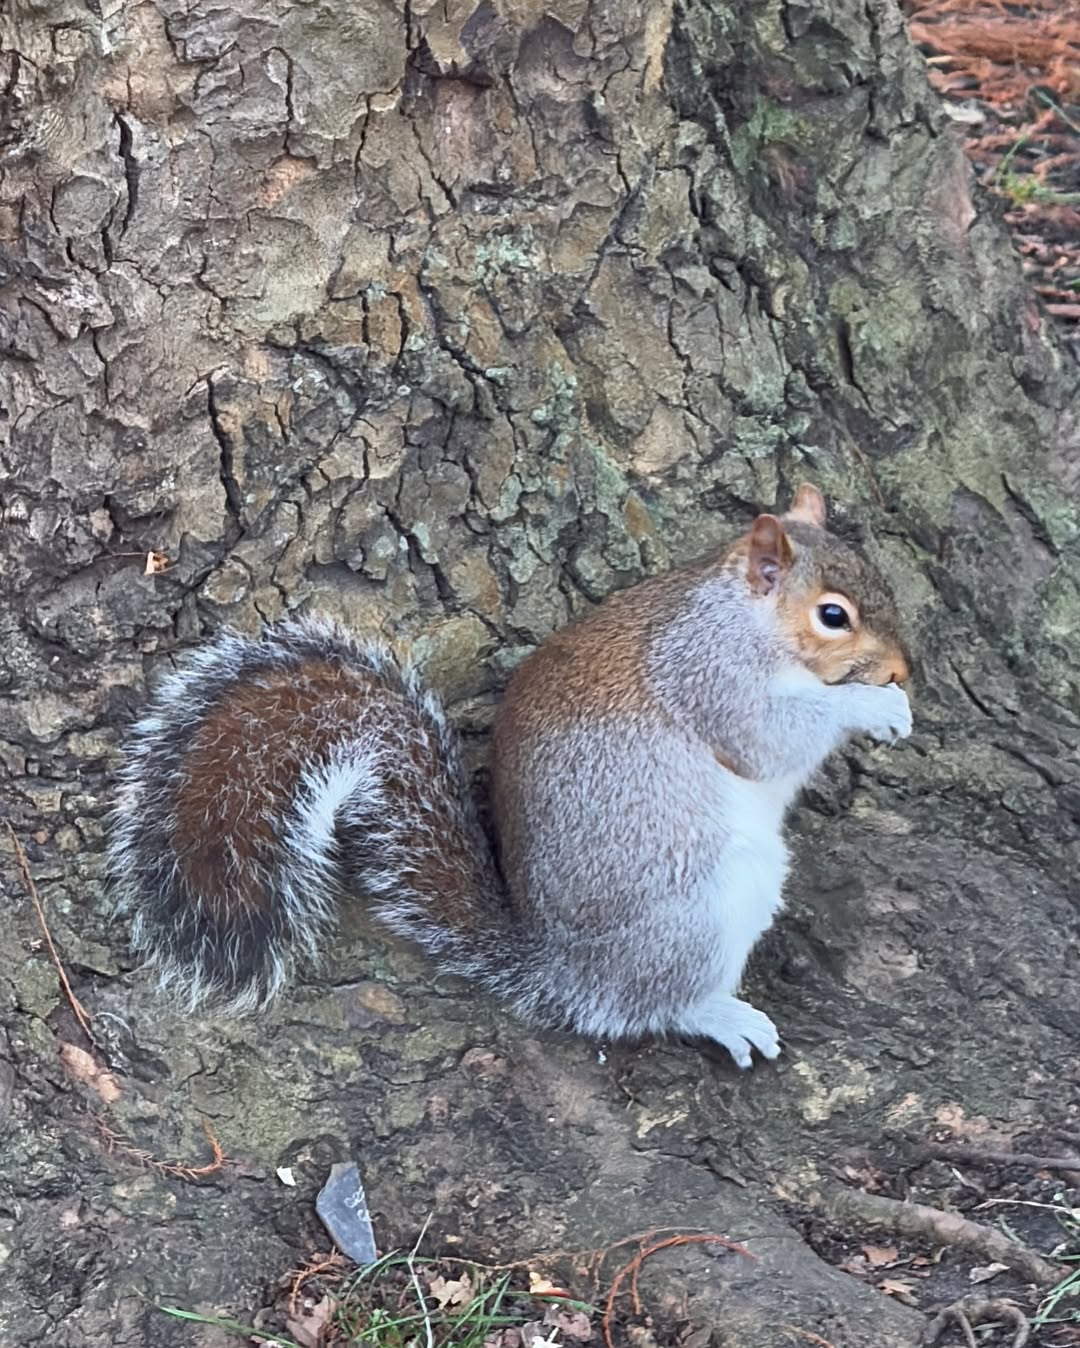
450	319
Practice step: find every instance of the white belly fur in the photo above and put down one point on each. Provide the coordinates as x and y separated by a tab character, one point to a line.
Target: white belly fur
746	886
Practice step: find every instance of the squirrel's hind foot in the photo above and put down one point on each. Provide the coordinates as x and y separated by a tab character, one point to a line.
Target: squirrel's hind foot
736	1025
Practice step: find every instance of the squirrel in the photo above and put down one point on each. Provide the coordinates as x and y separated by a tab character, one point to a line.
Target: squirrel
643	759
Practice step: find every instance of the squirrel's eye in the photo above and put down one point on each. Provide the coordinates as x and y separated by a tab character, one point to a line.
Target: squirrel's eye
833	617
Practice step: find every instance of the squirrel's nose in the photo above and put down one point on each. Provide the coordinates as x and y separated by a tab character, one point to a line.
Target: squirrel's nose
900	673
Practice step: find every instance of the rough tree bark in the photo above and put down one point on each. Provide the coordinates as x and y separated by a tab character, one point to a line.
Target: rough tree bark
452	318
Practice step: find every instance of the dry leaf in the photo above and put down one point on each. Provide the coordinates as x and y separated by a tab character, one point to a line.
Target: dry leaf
539	1286
640	1336
84	1068
865	1177
879	1256
481	1062
307	1329
504	1338
984	1272
155	563
902	1291
572	1324
452	1291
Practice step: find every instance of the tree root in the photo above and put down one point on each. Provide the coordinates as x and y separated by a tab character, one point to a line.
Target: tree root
24	865
958	1151
632	1269
943	1228
975	1310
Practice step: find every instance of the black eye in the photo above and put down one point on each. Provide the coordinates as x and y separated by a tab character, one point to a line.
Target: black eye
833	616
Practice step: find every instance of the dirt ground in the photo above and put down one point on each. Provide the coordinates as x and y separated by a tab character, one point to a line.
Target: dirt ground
898	1026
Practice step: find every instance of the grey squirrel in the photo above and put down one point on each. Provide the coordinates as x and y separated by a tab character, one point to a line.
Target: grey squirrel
642	764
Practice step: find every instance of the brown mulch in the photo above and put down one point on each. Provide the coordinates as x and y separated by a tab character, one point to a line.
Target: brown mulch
1010	74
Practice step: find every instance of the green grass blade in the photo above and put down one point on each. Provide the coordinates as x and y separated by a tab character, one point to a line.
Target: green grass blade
234	1327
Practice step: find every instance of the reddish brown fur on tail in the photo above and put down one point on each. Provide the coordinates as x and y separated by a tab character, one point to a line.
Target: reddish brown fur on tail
244	767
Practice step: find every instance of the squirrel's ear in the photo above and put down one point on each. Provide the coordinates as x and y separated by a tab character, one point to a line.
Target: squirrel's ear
808	506
770	554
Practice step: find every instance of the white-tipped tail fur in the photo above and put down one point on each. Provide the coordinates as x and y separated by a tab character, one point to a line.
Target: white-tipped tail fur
272	778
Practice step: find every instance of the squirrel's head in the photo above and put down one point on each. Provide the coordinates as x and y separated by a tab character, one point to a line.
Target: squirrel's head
829	602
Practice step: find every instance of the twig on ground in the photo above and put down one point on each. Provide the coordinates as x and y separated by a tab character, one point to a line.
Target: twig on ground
960	1151
631	1268
975	1310
315	1265
174	1169
410	1263
596	1257
76	1006
808	1335
944	1228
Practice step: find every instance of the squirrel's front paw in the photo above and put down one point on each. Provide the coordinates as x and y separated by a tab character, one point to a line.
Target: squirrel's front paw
885	713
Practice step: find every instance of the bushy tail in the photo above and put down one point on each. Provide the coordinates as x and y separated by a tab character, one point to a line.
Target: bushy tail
268	778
